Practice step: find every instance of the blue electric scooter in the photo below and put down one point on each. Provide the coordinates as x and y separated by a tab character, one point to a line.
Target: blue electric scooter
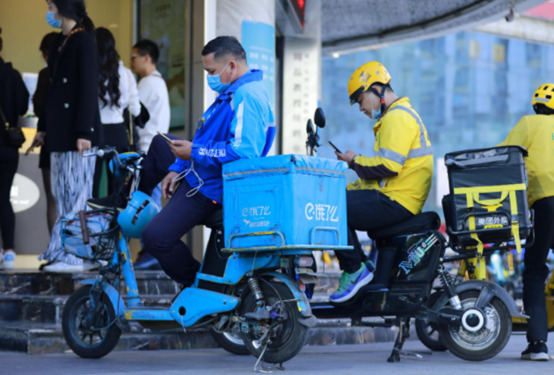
238	292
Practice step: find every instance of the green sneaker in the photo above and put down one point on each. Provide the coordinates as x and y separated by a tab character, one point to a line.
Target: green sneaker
350	283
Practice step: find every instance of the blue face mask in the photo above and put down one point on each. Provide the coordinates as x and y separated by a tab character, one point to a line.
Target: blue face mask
215	84
376	115
52	21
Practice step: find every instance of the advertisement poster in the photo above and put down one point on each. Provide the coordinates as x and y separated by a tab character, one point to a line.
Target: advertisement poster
258	40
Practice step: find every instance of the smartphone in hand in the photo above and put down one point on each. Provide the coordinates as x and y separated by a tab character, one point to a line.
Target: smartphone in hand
335	147
165	136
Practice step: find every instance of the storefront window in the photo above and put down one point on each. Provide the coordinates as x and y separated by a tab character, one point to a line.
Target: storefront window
163	21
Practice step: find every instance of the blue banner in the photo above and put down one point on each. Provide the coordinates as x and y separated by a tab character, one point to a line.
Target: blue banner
258	40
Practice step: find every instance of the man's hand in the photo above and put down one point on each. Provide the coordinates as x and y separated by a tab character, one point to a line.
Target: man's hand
38	141
181	148
168	185
83	145
348	156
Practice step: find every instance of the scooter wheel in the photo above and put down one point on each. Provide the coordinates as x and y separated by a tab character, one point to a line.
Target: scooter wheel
230	341
284	334
428	332
483	333
89	334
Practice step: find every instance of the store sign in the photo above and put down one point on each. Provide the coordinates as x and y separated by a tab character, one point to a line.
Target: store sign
300	92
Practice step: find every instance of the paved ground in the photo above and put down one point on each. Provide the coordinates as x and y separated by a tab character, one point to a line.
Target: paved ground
342	359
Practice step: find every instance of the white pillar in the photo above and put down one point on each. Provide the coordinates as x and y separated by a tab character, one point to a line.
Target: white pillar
301	81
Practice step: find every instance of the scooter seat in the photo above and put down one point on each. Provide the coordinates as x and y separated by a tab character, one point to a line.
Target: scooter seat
215	220
416	224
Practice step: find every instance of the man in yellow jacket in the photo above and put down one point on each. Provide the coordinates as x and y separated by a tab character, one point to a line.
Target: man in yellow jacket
394	184
536	134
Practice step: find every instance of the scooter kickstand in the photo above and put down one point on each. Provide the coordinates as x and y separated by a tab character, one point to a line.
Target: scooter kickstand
403	334
263	369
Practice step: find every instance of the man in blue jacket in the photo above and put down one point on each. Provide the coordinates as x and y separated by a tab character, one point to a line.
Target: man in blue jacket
239	124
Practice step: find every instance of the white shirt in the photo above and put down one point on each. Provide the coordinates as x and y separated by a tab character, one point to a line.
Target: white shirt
153	94
113	114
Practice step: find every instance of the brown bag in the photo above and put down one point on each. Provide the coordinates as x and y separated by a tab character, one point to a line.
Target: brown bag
16	138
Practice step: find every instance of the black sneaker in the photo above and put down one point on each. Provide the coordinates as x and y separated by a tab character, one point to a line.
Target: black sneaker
111	201
536	351
146	262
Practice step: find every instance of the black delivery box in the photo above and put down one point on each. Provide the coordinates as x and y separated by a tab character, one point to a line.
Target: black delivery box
487	201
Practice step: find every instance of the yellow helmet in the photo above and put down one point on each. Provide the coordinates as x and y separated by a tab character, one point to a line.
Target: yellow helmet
365	76
544	95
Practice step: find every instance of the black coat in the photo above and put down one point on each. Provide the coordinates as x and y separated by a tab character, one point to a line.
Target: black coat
14	97
71	108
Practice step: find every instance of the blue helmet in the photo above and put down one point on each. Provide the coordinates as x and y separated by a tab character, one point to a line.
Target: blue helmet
140	210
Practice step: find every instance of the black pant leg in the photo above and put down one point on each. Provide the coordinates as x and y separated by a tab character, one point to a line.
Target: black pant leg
367	210
156	163
9	158
536	270
162	236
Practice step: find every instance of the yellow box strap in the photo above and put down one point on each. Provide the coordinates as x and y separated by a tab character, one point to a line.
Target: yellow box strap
515	220
472	195
477	263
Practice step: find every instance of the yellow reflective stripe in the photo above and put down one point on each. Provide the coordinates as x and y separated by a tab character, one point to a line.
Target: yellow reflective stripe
392	156
423	150
419	152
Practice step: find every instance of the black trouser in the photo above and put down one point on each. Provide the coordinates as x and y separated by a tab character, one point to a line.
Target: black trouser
156	163
115	135
367	210
9	157
162	236
536	270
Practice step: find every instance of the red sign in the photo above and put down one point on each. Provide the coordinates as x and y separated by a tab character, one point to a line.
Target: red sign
545	10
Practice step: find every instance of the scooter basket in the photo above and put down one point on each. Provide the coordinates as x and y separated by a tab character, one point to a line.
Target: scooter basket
487	201
102	232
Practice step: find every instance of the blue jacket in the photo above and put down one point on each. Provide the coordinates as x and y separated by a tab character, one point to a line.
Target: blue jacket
238	125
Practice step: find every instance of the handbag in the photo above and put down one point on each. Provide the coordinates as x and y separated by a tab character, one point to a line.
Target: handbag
16	138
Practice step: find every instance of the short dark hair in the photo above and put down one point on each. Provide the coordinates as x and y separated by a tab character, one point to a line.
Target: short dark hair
223	46
148	47
541	109
48	42
1	41
379	85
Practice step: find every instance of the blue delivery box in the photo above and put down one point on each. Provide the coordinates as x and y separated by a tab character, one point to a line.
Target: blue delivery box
285	202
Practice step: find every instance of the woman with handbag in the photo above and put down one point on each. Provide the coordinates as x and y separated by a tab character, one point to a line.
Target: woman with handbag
118	91
71	121
14	100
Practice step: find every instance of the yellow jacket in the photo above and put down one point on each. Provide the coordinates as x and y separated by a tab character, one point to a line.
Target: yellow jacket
403	166
536	134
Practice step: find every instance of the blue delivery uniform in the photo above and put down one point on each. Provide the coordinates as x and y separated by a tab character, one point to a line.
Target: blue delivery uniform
239	124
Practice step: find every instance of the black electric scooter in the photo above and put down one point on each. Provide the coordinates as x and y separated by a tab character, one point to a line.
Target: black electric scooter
474	317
